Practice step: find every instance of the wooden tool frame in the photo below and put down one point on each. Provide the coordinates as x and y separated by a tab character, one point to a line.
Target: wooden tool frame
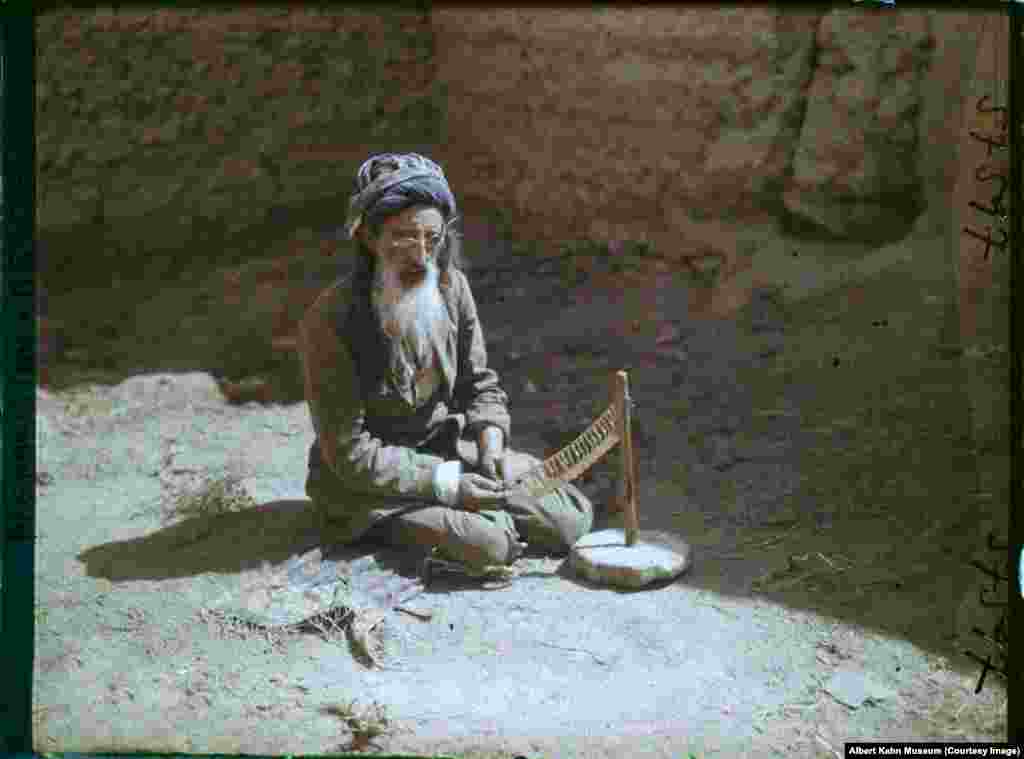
614	425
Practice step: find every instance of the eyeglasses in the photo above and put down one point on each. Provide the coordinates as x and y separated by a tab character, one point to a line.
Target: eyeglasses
412	244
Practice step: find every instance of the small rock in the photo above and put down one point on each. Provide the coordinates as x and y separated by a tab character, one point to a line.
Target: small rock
854	689
529	387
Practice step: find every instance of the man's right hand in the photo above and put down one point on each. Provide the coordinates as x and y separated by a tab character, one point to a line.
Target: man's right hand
477	492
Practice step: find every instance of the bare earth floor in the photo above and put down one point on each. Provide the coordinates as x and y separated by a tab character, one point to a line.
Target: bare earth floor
829	598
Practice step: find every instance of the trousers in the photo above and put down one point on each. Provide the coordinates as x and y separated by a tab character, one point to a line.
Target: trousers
551	523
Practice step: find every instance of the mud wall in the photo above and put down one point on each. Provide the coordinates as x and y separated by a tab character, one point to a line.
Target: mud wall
171	141
172	135
684	125
690	128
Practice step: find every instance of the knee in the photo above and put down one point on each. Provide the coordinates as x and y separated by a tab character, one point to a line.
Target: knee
481	553
575	517
495	551
493	547
481	542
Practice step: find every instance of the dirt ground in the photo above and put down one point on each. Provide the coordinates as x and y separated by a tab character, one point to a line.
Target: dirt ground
814	448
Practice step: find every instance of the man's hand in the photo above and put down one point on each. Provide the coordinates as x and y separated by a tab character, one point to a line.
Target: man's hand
477	492
492	449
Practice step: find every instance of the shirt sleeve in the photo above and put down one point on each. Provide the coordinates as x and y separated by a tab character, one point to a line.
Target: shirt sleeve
365	464
477	389
446	482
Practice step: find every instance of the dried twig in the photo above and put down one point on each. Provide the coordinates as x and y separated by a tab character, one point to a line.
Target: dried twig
827	745
746	547
366	723
426	616
359	631
591	654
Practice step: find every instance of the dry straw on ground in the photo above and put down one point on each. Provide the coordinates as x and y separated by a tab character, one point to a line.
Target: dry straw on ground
213	497
366	723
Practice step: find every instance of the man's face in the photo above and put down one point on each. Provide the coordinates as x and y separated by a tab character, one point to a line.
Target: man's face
408	242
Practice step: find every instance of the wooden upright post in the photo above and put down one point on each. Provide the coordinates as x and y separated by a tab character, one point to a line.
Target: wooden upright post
627	470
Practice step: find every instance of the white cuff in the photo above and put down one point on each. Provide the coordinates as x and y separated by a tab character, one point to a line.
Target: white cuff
446	482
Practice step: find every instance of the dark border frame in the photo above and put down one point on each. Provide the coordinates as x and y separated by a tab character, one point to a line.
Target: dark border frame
1015	654
18	379
18	364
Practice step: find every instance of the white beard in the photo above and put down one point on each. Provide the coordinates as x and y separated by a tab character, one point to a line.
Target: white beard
412	315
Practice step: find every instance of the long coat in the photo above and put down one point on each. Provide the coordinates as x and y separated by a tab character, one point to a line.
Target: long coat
377	444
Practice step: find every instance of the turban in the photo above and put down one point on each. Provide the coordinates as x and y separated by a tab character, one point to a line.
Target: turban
410	173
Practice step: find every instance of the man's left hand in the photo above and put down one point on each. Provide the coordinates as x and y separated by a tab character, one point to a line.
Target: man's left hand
492	450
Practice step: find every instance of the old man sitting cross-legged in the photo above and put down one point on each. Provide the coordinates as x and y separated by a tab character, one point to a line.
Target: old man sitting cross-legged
412	426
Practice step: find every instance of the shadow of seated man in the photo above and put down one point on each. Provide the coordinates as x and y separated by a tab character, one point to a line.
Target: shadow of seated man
411	424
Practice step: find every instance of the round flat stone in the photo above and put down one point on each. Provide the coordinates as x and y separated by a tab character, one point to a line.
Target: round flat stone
603	557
